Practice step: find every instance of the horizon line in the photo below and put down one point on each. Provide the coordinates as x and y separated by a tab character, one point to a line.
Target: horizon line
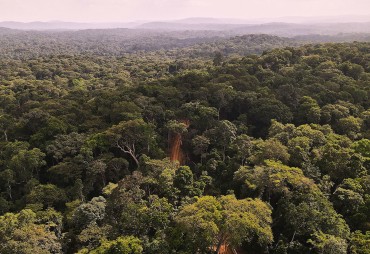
201	17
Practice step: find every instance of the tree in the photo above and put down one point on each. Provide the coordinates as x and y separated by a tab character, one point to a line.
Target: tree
223	135
221	95
347	197
133	137
49	195
122	245
245	220
199	115
300	207
95	175
340	162
350	126
7	180
363	147
21	233
360	243
66	146
331	113
217	59
92	235
243	145
308	111
131	213
266	109
6	124
328	244
184	180
174	126
88	213
270	149
209	223
299	150
27	162
199	221
200	146
351	69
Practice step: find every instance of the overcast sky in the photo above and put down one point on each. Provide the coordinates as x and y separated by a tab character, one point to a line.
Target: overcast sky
129	10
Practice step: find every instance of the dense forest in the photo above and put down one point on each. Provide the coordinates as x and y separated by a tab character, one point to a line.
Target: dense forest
250	144
177	45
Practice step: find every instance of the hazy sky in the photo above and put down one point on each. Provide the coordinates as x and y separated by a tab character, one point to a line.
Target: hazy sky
126	10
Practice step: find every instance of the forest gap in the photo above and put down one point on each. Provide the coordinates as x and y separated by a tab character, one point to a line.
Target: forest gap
176	152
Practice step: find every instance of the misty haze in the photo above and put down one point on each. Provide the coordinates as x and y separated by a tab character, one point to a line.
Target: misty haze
184	127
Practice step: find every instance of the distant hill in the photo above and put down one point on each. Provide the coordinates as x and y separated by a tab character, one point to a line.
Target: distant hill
230	27
4	30
286	29
202	20
174	26
237	46
281	29
117	42
59	25
242	41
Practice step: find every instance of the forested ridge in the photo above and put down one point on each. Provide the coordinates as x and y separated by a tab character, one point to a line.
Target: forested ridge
181	151
16	44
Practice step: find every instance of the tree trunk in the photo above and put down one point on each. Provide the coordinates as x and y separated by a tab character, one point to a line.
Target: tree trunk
10	191
293	237
219	246
136	160
221	241
129	150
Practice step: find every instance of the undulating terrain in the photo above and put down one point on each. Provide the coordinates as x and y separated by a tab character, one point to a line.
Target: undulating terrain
184	141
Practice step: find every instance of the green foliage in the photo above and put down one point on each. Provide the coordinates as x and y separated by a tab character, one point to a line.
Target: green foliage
49	195
21	233
275	147
132	137
360	243
328	244
89	213
122	245
308	111
210	222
